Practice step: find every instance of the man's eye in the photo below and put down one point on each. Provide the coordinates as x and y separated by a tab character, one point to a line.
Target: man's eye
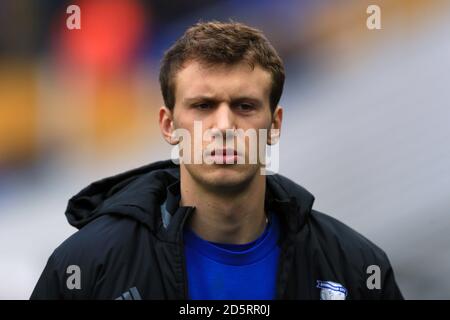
246	106
202	106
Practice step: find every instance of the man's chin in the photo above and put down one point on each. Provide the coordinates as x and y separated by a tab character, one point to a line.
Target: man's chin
225	176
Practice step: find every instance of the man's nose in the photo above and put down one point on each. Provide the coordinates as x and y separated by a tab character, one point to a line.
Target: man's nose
224	118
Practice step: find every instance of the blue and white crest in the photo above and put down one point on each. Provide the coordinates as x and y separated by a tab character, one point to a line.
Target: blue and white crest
331	290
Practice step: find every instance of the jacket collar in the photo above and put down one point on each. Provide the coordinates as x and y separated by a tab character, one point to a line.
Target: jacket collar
293	213
139	193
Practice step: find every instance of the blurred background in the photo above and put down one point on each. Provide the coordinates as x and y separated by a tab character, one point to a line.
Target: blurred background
366	126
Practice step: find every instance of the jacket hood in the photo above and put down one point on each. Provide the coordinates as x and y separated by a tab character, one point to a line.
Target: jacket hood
138	194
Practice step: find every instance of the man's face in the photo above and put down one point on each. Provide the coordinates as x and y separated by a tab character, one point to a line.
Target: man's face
223	97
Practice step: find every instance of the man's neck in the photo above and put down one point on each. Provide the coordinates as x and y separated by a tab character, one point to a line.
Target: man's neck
233	218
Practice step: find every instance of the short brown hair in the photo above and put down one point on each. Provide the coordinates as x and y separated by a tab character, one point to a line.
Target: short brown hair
218	43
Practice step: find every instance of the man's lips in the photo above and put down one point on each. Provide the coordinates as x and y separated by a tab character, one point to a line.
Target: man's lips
224	156
224	152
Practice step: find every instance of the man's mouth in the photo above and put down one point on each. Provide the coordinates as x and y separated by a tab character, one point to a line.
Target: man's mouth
225	156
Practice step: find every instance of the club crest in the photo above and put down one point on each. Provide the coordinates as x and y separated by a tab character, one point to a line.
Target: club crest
331	290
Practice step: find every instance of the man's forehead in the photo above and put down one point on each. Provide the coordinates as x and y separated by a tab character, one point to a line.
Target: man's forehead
197	79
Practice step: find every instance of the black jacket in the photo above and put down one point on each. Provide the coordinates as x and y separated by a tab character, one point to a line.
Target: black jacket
124	250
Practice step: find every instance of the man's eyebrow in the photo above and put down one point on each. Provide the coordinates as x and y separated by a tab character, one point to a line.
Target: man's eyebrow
197	99
191	100
249	99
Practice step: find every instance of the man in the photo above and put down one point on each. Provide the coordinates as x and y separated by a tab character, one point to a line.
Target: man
216	228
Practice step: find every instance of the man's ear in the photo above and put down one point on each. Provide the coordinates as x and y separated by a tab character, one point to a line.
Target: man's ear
166	124
275	129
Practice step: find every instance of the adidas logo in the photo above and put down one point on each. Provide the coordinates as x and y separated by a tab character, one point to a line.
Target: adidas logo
131	294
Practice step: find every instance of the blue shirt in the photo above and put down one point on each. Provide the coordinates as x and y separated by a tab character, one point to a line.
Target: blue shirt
230	271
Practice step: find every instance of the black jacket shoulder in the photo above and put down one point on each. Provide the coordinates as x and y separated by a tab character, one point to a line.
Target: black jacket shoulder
98	250
352	258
